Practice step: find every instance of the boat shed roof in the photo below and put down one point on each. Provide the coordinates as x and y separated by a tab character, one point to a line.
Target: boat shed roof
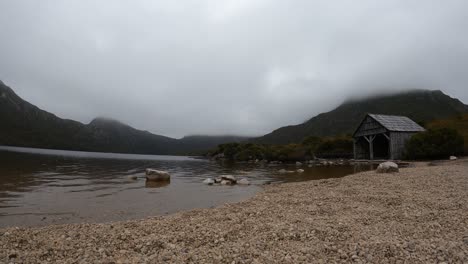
397	123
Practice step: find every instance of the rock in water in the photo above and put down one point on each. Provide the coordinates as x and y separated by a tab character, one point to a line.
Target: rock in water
243	181
298	163
282	171
300	170
229	178
209	181
157	175
453	158
387	167
226	182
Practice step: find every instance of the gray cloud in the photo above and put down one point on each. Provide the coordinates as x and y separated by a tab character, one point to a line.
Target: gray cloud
226	67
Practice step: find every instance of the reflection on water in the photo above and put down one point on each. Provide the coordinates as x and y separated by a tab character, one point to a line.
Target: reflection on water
39	187
156	184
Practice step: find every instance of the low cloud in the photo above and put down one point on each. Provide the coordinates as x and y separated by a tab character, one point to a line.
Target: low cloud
226	67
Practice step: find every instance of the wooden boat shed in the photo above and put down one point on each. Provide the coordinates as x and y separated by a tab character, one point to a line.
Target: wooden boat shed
383	136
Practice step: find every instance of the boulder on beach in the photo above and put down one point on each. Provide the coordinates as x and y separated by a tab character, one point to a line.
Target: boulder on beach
157	175
209	181
387	167
453	158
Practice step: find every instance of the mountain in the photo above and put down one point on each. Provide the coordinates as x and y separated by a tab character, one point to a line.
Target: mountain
25	125
420	105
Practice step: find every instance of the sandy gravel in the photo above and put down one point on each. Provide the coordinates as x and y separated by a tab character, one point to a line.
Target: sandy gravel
419	215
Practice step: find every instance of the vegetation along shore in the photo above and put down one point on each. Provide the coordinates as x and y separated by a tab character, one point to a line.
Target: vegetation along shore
326	221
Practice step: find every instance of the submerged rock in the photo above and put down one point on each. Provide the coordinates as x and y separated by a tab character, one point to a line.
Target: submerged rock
157	175
387	167
285	171
209	181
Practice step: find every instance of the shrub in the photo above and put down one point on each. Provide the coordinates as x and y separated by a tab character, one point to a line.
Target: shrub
434	144
335	147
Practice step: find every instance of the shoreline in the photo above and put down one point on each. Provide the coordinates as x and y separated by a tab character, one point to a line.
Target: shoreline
418	215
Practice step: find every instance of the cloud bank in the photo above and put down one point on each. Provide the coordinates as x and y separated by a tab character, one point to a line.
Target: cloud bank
226	67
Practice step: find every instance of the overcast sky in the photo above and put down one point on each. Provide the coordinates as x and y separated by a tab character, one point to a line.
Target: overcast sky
226	67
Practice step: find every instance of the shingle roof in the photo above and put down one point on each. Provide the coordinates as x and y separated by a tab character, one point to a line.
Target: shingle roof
397	123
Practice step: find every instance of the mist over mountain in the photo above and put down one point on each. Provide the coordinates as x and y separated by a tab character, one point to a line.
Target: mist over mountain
419	105
24	124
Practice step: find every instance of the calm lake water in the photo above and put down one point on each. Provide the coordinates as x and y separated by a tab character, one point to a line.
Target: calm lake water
41	187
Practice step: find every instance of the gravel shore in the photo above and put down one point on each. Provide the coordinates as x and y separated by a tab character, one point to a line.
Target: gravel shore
419	215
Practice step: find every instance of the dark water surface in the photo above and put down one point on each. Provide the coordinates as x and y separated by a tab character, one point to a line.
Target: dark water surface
41	187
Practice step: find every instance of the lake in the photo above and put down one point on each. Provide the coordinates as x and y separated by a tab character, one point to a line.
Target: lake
42	187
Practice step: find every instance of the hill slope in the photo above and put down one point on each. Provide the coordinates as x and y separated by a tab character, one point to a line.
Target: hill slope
25	125
419	105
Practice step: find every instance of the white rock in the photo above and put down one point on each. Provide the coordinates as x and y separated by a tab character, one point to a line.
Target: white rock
209	181
225	182
453	158
300	170
298	163
230	178
157	175
243	181
387	167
